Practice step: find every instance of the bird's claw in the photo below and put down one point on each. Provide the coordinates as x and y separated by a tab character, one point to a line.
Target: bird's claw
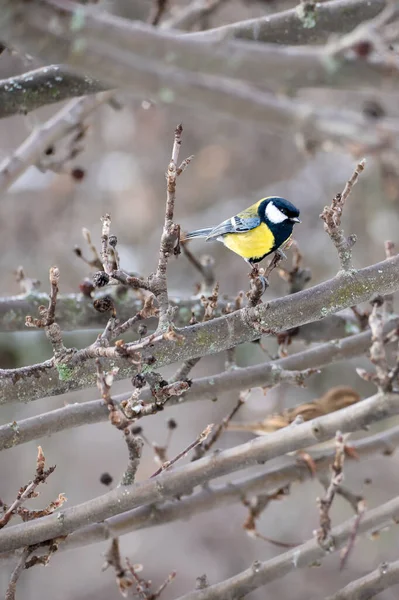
265	283
281	254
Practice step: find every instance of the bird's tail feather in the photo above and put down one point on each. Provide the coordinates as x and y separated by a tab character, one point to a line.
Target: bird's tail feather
198	233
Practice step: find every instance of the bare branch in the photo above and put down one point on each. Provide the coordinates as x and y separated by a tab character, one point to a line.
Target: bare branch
32	149
113	559
299	557
389	299
332	215
324	533
189	15
367	587
183	479
334	16
28	491
266	481
11	589
206	444
16	385
28	25
47	85
170	236
199	440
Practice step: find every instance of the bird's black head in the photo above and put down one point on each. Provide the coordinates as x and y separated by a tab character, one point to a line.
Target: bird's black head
276	211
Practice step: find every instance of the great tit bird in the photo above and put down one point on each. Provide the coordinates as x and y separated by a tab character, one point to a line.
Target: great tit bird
257	231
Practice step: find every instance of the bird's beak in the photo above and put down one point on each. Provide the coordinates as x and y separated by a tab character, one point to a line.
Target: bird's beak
296	220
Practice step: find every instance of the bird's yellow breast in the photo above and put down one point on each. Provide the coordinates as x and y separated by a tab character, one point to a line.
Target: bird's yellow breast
251	244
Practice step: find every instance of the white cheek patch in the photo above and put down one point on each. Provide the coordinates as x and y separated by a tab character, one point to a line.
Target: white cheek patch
274	214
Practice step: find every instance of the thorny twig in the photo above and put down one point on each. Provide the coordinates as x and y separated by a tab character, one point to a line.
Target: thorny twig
47	320
199	440
210	303
121	422
203	448
323	533
170	235
29	491
149	310
256	506
95	261
332	215
143	587
113	559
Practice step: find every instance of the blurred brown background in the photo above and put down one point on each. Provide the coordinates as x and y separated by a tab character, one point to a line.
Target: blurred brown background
125	157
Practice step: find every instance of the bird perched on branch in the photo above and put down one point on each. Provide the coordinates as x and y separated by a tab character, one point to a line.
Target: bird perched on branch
255	232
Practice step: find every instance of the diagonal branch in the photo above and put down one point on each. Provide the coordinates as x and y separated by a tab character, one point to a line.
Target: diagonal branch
182	480
213	336
266	481
261	573
32	149
285	27
385	576
137	47
23	93
206	388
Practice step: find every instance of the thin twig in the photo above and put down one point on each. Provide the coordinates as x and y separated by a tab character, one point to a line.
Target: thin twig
332	215
346	551
324	533
47	317
184	370
170	235
119	420
267	480
15	575
159	7
204	446
199	440
385	576
33	148
113	559
256	506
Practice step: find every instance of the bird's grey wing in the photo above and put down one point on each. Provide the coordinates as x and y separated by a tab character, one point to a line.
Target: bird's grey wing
236	224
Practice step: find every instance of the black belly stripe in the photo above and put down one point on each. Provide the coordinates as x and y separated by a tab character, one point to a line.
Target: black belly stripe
281	232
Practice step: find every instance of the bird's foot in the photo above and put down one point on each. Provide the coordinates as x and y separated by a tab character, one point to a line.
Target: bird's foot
265	283
281	254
